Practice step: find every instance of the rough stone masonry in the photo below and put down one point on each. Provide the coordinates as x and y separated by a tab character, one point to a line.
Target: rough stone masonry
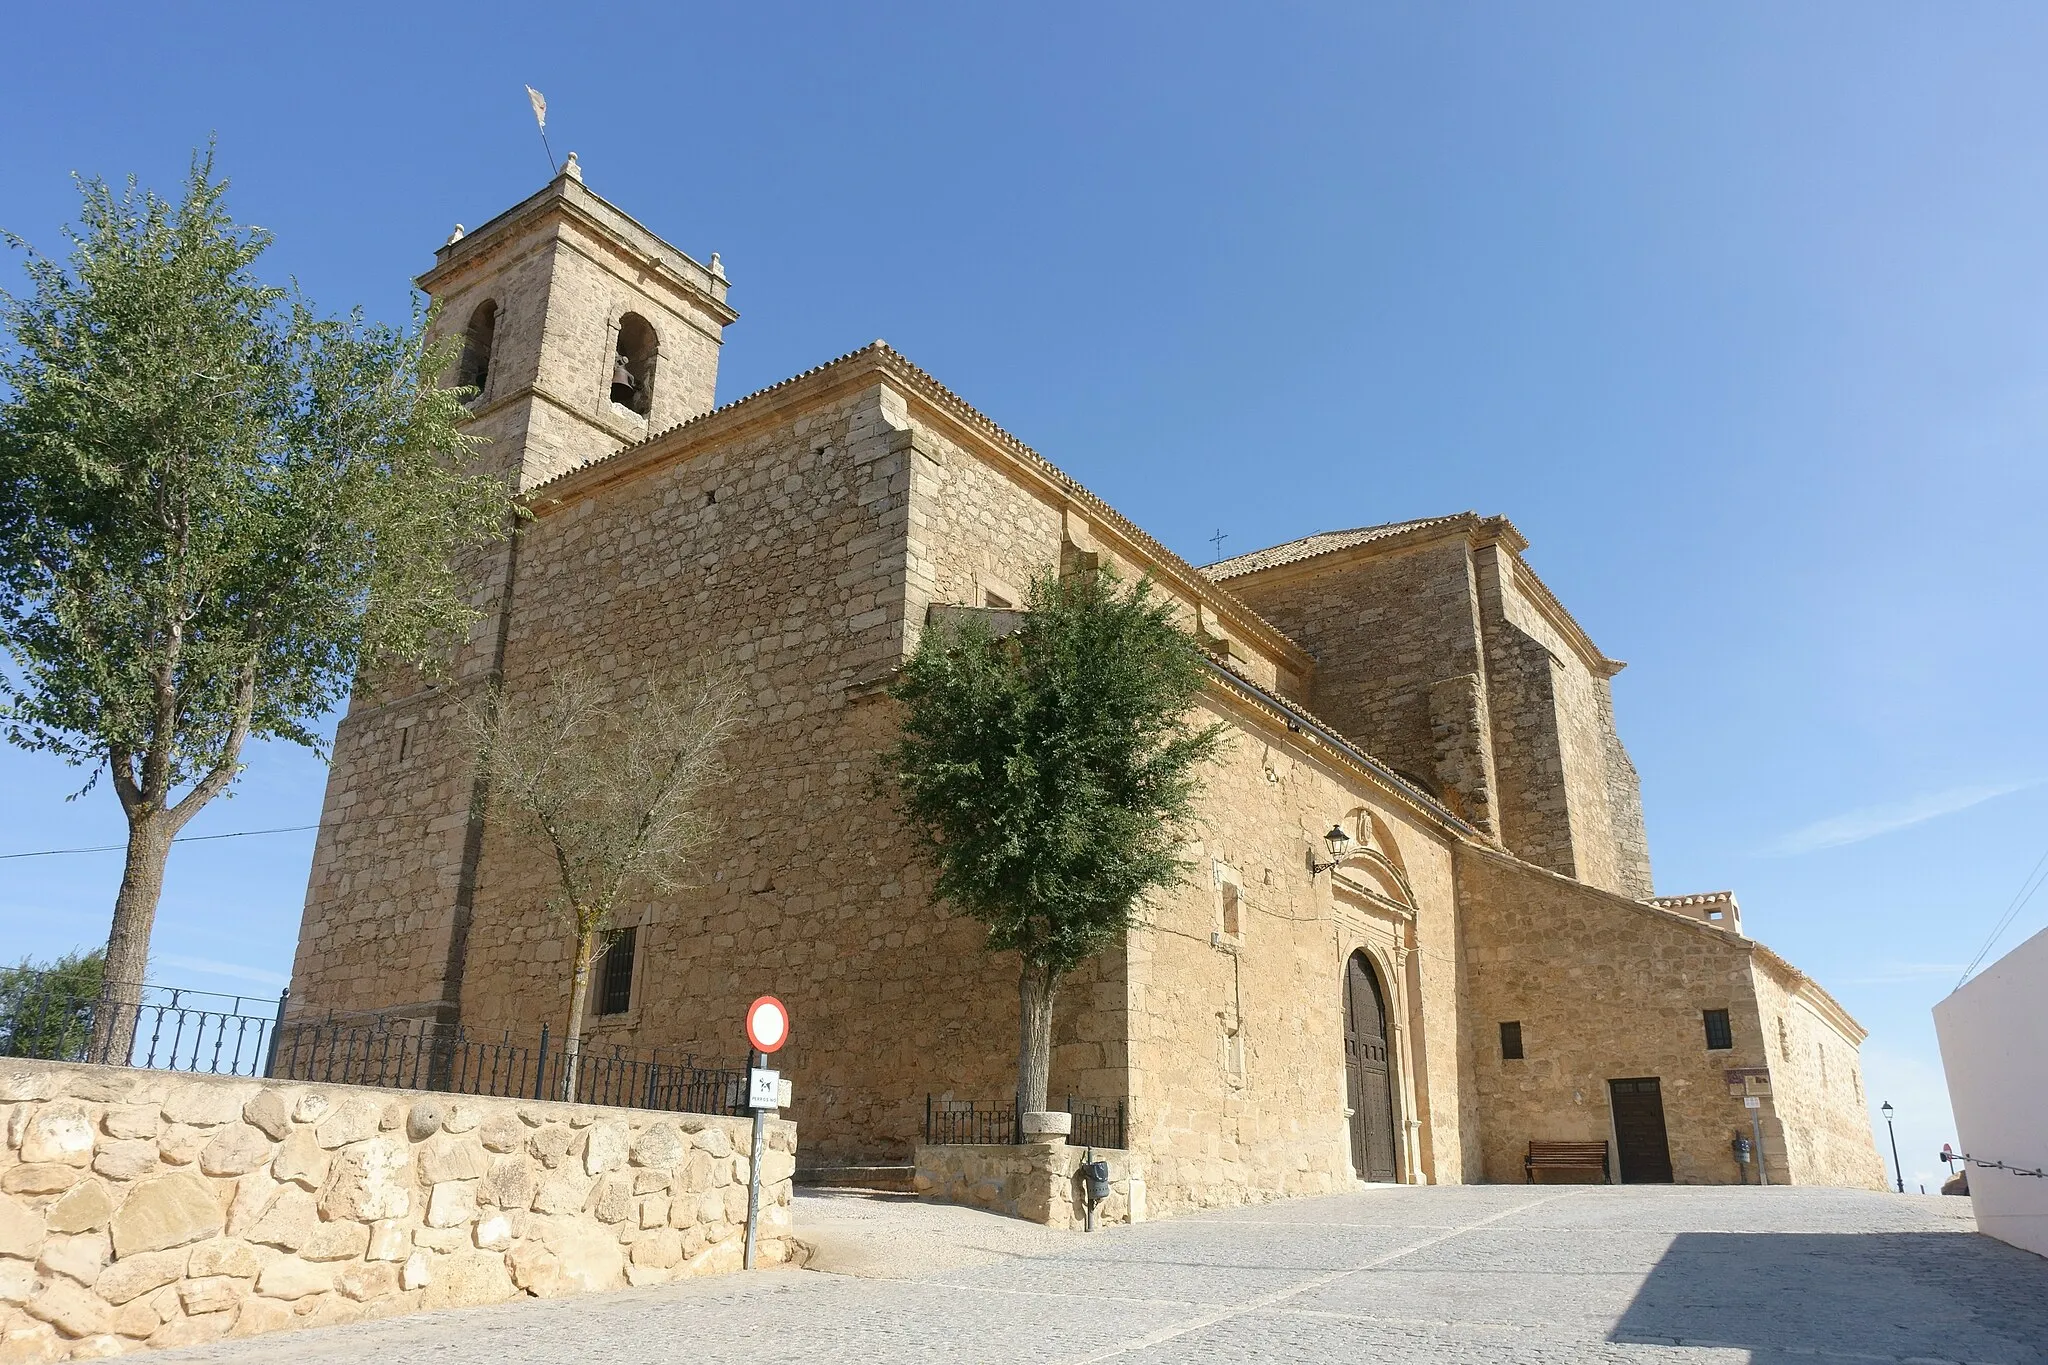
1486	966
147	1208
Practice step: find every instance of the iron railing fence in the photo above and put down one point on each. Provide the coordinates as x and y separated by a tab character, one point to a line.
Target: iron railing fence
1097	1126
49	1017
44	1016
960	1123
420	1055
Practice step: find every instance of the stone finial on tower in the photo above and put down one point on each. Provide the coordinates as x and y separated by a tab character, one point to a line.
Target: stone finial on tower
573	170
454	236
717	267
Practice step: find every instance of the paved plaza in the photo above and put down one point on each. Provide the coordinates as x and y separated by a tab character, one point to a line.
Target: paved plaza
1452	1274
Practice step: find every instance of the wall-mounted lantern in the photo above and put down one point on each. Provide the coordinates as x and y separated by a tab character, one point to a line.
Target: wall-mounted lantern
1340	844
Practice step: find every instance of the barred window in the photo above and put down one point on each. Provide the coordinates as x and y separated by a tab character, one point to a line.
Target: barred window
1511	1041
1719	1036
615	972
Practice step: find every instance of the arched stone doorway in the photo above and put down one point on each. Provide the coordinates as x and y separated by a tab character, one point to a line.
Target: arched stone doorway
1368	1075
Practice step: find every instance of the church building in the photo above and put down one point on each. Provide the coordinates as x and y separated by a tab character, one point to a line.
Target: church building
1419	934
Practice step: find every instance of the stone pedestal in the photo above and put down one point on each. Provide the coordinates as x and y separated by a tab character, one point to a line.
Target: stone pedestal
1046	1125
1031	1180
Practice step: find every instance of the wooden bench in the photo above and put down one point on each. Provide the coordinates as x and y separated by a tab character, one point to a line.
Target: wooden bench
1564	1156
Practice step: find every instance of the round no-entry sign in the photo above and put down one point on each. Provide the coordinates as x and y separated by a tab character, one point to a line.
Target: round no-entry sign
767	1024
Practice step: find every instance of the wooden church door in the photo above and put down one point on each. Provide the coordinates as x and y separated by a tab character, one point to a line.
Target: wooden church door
1368	1083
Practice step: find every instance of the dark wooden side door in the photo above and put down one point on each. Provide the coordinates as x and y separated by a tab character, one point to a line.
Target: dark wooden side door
1369	1084
1642	1150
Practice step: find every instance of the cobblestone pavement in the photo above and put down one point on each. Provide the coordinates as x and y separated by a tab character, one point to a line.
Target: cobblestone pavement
1452	1274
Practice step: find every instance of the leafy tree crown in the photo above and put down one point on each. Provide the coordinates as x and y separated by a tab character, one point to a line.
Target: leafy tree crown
1053	772
214	504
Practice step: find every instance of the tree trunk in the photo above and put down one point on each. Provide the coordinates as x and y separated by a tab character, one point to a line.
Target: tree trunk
142	885
579	1000
1035	986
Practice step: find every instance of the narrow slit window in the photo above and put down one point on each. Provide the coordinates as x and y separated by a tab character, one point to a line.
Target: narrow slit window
1511	1041
1719	1036
615	973
1233	922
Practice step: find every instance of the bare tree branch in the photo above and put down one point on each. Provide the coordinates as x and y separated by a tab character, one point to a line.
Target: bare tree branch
616	790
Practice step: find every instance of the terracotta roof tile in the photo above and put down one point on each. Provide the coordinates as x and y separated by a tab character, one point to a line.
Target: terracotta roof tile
1321	543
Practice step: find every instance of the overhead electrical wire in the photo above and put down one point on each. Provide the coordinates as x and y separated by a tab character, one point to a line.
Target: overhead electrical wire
181	839
2019	902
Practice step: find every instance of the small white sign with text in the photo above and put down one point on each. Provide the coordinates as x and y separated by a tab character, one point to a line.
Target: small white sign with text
765	1089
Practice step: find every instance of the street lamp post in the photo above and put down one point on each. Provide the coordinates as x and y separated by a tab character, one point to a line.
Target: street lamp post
1897	1174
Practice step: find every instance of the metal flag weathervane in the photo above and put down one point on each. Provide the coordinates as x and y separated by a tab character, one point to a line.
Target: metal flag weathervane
540	117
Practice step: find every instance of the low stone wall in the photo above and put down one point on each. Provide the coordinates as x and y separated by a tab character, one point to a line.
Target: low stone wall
148	1208
1034	1180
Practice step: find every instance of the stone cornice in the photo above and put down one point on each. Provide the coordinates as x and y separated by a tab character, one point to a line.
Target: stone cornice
1814	996
877	362
1291	725
1478	532
569	199
1798	984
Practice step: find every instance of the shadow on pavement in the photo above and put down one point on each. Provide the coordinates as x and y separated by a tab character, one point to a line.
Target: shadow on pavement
1945	1295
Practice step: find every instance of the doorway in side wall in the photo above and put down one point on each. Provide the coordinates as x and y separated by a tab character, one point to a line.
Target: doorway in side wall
1642	1150
1368	1078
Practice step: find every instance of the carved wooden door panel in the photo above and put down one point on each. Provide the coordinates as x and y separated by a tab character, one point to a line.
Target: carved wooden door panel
1368	1079
1642	1150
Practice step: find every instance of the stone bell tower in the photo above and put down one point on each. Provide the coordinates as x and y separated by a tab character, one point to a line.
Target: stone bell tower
584	333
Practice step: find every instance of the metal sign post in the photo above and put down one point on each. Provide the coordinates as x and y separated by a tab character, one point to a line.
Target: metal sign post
1752	1085
1756	1123
767	1030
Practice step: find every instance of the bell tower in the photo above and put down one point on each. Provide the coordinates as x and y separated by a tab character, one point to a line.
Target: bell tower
585	332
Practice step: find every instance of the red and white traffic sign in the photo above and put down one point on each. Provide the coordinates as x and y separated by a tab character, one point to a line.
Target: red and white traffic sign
767	1024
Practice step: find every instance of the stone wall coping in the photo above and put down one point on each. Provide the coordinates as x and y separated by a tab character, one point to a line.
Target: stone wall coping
162	1208
566	1111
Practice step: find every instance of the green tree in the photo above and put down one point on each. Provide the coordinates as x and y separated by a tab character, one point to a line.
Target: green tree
215	506
1053	775
46	1009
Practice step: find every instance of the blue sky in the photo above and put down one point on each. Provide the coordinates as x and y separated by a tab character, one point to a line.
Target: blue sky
1735	310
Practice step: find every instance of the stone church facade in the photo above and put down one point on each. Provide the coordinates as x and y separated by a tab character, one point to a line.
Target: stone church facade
1486	966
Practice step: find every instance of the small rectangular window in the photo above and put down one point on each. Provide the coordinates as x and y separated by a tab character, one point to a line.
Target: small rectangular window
615	973
1511	1041
995	601
1719	1036
1231	925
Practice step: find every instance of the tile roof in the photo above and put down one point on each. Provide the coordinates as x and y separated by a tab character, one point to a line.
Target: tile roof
1165	563
1321	543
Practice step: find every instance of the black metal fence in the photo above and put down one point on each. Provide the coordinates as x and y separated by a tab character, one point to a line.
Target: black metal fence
954	1123
168	1028
44	1016
419	1055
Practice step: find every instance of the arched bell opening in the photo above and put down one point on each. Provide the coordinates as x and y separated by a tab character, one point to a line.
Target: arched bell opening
632	385
1369	1071
474	369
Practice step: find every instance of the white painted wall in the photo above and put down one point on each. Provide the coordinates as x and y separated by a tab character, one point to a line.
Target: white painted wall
1994	1046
